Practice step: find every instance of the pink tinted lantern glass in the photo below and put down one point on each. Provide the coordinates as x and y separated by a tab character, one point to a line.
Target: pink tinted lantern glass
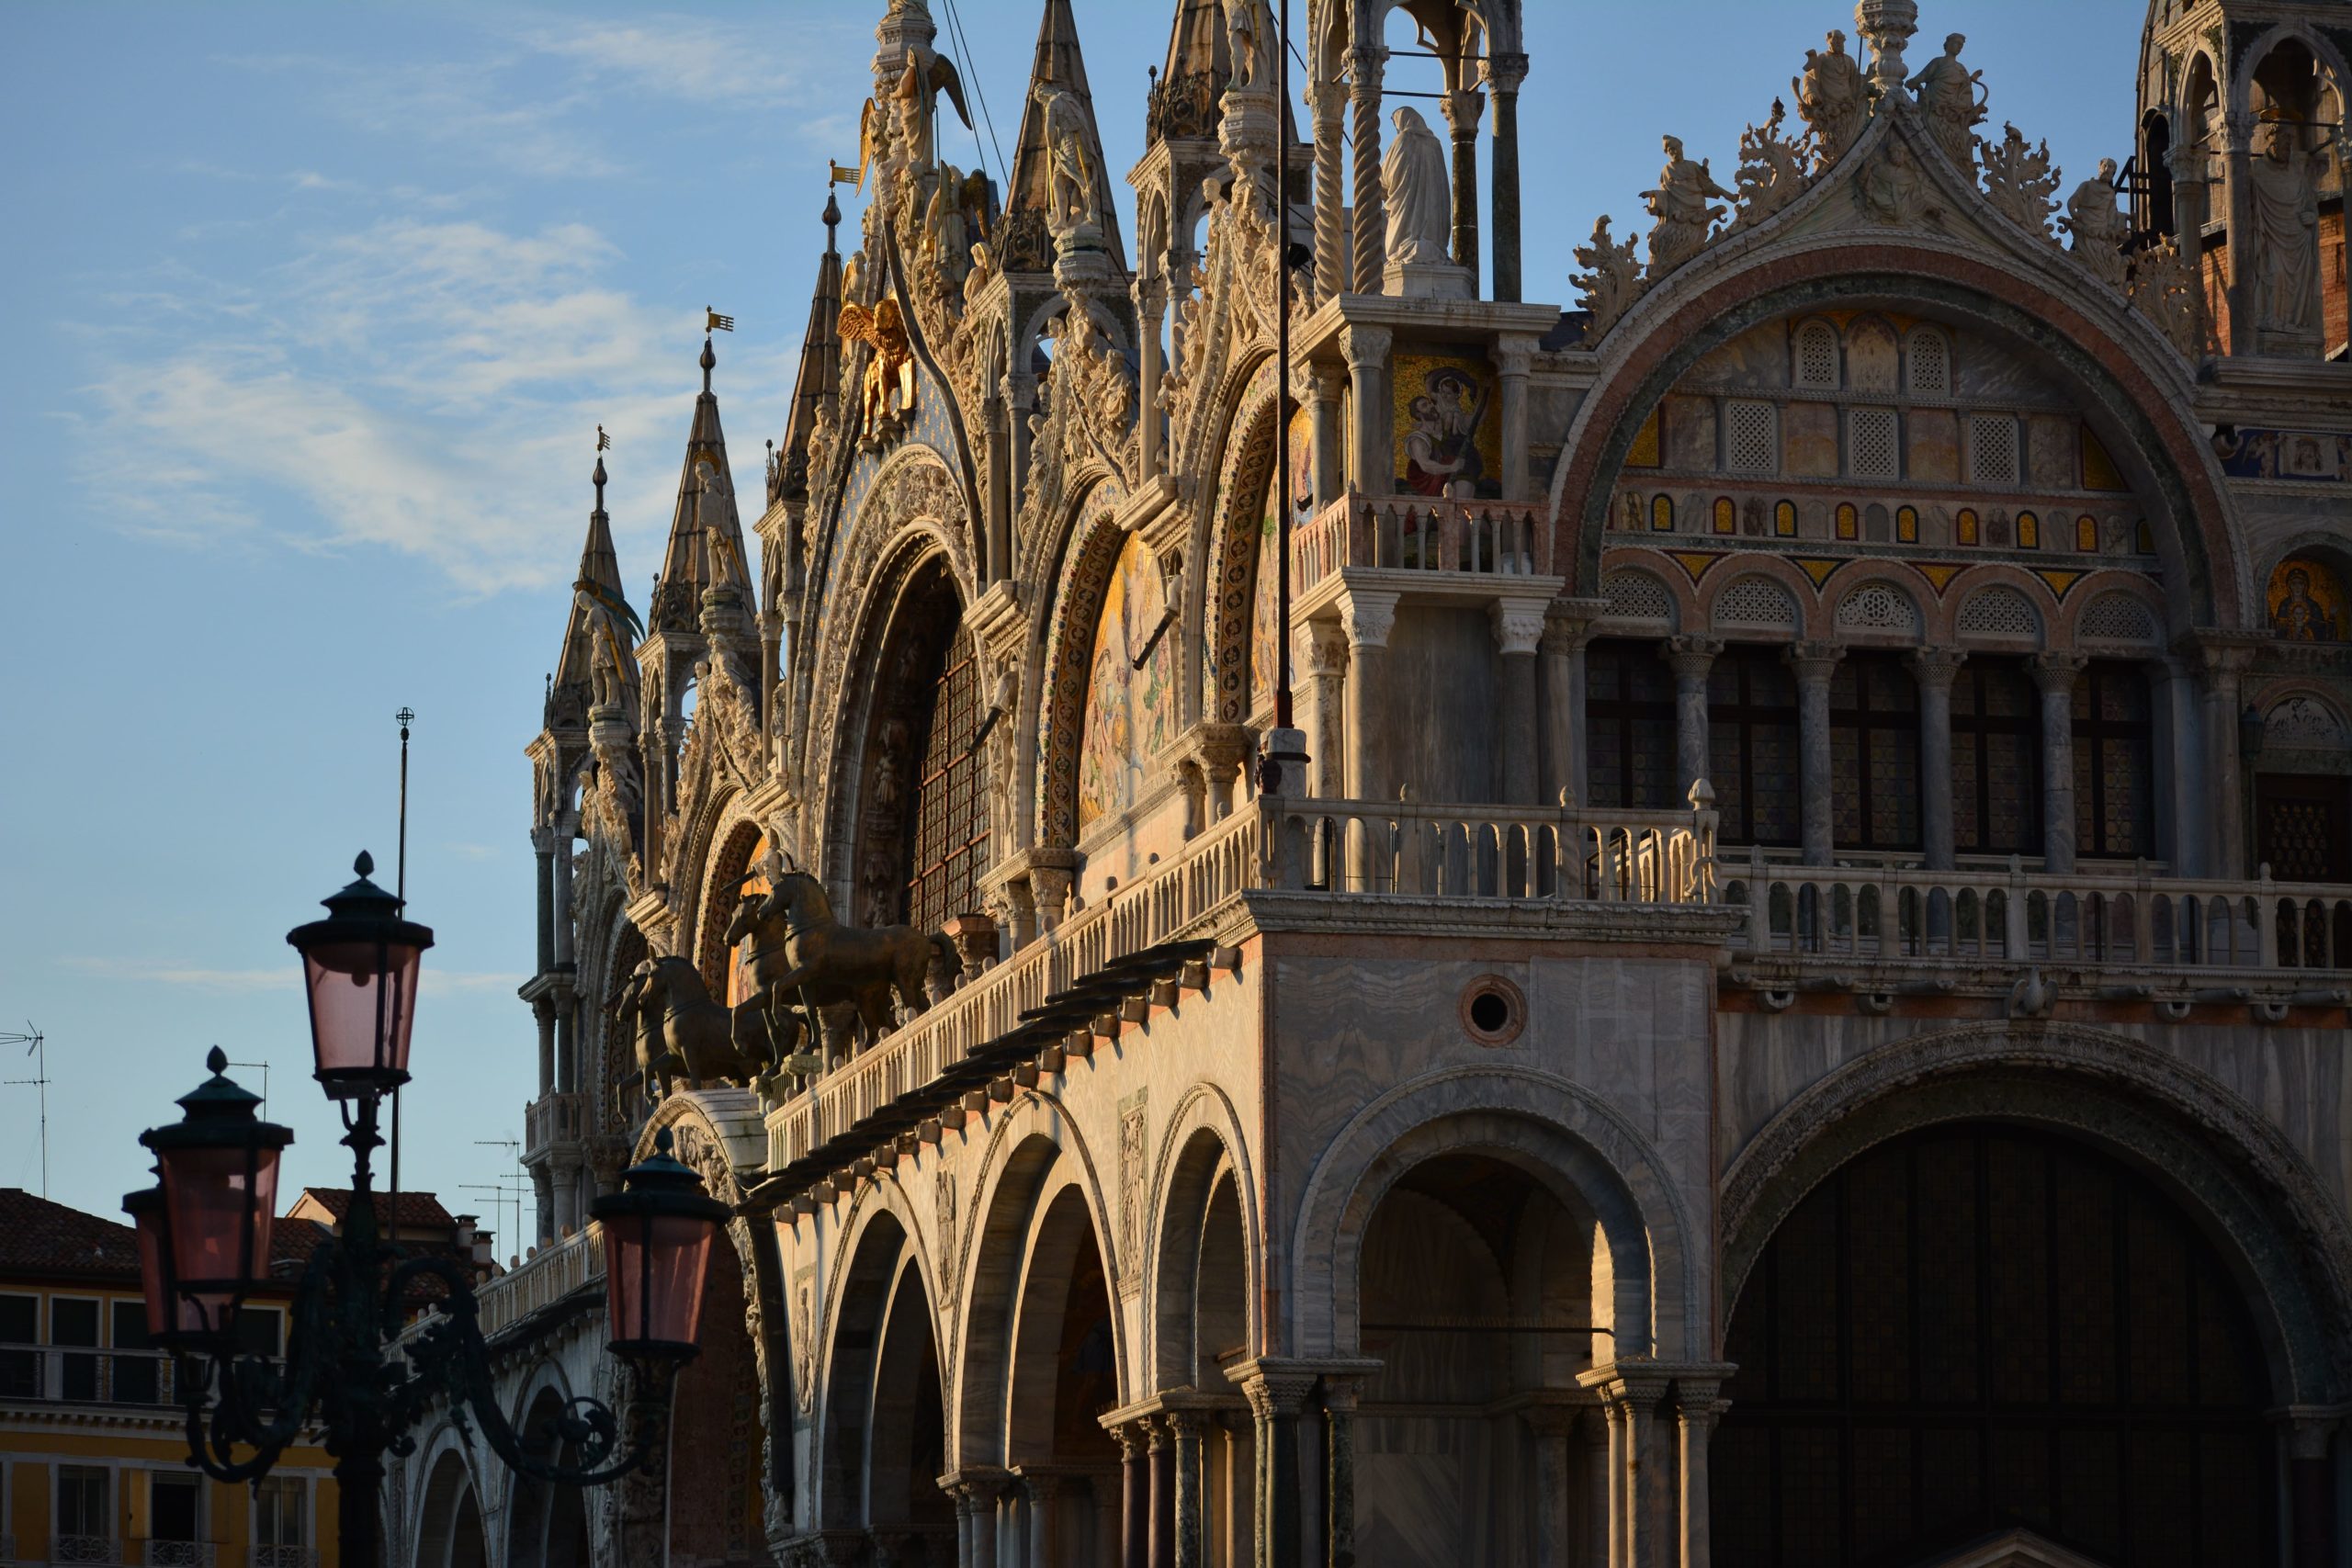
653	1276
363	1007
148	1223
212	1194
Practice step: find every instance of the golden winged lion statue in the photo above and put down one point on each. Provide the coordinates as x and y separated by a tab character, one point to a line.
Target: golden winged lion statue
889	388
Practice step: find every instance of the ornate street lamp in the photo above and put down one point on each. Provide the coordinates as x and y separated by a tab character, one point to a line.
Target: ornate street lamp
204	1245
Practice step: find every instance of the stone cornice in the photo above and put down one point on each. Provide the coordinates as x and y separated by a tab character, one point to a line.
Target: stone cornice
1272	910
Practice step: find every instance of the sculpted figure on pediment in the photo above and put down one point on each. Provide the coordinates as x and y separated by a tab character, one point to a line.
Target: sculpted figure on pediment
2286	231
1951	98
1892	189
1250	39
1420	218
1681	205
2099	226
1830	97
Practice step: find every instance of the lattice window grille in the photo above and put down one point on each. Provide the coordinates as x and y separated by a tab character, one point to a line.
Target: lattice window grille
1871	451
1637	596
1753	446
2117	617
2000	612
1756	602
1993	449
1877	607
1817	356
1930	364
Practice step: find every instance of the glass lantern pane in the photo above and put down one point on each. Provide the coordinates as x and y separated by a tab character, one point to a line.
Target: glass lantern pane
654	1277
210	1192
362	1005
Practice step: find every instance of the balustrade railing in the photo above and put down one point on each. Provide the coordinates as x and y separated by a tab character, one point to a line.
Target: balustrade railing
1455	852
554	1118
2012	917
84	1549
181	1554
282	1557
542	1280
1418	532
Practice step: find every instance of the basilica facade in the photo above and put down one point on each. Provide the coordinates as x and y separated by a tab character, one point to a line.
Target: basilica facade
1710	927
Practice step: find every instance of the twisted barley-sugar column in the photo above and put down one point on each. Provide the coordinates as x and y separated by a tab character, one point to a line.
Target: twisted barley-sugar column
1364	68
1327	102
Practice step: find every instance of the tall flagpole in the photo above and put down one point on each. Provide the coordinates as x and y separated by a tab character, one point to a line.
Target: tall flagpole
400	885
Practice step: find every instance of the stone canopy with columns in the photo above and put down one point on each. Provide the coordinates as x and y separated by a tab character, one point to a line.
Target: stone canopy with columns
1755	973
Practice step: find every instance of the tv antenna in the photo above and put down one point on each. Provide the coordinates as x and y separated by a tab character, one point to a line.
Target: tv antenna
36	1045
265	1081
502	1194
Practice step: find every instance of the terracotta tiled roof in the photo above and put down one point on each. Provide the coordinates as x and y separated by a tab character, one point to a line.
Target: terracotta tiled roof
422	1211
39	1237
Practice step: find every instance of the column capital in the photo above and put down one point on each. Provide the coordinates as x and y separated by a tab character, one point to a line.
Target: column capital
2219	653
1936	667
1691	658
974	1487
1365	66
1462	108
1814	661
1568	623
2055	671
1278	1387
1366	347
1514	352
1327	380
1505	71
1630	1385
2307	1427
1519	626
1323	647
1369	617
1128	1435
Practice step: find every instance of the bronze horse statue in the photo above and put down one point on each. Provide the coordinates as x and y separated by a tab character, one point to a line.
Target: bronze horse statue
680	1031
804	963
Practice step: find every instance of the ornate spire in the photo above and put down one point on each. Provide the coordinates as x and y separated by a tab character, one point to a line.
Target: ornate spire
1199	63
601	628
819	380
1060	66
706	503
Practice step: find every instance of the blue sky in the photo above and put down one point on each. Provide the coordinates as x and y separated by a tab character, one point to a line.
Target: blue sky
308	315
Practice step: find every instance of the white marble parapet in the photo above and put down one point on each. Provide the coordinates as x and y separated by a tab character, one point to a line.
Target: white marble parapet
542	1280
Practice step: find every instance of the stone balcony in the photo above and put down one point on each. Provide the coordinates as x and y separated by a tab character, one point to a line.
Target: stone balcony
555	1119
1423	548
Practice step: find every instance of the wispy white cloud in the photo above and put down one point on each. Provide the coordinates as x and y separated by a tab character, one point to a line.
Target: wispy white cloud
280	977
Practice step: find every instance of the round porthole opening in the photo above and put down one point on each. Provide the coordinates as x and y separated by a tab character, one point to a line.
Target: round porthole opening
1493	1011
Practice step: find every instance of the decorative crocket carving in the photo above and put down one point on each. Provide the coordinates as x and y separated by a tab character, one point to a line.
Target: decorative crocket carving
1094	380
2019	181
2165	288
1772	170
1611	279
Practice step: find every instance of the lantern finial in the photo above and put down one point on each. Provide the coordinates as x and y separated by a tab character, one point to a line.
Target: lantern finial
217	1060
366	865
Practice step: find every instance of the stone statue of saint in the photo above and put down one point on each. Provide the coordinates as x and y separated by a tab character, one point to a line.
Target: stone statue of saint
1251	39
1413	177
2286	234
1891	189
1072	212
976	282
2098	225
1829	96
1948	93
1680	206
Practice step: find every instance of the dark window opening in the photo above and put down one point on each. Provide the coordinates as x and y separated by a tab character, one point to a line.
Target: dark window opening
1628	725
947	828
1996	759
2114	771
1873	754
1752	753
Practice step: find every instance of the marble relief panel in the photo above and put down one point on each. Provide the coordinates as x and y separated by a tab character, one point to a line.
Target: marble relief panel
1935	445
1809	435
1689	433
2050	442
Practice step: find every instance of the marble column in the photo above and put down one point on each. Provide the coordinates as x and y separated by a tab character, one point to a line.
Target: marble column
1020	400
2054	675
543	1013
543	1186
2245	240
1184	1439
1514	355
1323	655
1597	1433
566	827
2189	166
1151	296
1696	1410
543	846
1463	107
1330	446
1161	1445
1519	629
1365	69
2311	1489
1109	1549
567	1053
2224	663
998	502
1038	1493
1367	616
1135	1496
1326	104
1504	74
1339	1399
1368	449
1691	659
1815	663
1566	632
1935	669
1222	748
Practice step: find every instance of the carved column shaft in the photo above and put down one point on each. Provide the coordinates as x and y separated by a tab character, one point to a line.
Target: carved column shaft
1020	400
1134	1497
543	843
1323	654
1519	628
1504	74
1368	618
1328	102
1936	669
1185	1436
999	499
1463	108
2054	674
2223	666
2243	241
1162	1457
1563	673
1152	295
1330	446
1691	659
1340	1395
1368	459
543	1013
1815	663
566	827
1697	1411
1364	69
1514	356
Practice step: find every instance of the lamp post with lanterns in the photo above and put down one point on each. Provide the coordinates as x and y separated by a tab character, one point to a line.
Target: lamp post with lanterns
204	1246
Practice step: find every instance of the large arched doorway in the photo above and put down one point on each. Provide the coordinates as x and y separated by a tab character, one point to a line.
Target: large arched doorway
1983	1326
547	1525
1476	1284
886	1434
1063	1376
449	1533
